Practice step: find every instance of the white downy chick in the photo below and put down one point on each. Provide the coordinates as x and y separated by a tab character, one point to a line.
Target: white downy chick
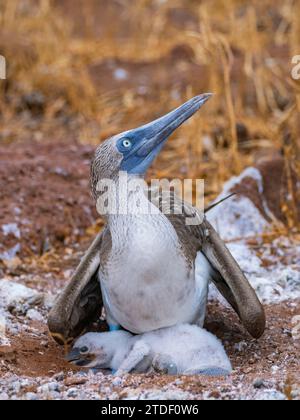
181	350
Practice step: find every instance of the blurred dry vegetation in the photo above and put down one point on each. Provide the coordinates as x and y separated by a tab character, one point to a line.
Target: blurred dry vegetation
87	69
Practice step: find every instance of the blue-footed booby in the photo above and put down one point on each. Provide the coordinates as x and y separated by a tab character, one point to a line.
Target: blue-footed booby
153	268
196	352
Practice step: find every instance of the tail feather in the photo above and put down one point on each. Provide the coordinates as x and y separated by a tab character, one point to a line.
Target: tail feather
208	209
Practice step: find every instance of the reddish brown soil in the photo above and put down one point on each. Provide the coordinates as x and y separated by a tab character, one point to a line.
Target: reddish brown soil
40	356
44	188
34	357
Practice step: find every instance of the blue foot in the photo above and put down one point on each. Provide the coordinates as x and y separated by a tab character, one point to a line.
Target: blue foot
114	327
113	371
214	372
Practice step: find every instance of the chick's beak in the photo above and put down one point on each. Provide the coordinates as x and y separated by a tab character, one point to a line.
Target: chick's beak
75	357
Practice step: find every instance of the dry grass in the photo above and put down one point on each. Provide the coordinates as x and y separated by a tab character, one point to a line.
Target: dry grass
240	50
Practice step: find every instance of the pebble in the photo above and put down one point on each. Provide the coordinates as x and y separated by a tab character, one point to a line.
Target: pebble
75	381
259	383
72	393
30	396
49	387
272	395
4	396
117	381
59	377
34	315
15	387
295	394
55	395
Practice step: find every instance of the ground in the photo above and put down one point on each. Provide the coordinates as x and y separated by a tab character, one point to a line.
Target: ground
30	360
79	71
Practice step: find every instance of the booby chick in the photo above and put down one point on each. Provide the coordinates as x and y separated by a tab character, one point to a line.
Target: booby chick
150	270
180	350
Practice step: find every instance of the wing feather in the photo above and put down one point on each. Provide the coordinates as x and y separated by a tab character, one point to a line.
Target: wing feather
226	273
80	303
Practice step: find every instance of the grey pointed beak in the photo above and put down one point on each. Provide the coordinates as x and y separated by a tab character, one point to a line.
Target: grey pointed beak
160	130
78	359
149	139
73	356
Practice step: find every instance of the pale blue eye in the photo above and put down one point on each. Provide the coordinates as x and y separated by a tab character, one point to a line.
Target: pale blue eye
126	143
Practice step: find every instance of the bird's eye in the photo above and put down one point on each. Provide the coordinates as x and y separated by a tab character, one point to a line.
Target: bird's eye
126	143
84	350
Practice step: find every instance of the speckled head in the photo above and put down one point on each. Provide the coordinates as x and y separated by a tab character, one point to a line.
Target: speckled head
133	151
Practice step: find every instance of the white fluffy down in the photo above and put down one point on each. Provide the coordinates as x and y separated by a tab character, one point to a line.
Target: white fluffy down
192	349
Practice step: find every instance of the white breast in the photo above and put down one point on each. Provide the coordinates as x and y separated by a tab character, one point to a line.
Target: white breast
147	282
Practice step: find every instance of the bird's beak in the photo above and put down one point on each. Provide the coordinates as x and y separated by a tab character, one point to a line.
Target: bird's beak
149	139
77	359
73	355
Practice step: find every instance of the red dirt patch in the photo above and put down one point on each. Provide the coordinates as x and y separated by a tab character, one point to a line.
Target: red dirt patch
40	356
33	356
45	190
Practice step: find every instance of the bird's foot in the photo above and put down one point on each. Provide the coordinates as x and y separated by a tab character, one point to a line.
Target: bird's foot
212	371
113	327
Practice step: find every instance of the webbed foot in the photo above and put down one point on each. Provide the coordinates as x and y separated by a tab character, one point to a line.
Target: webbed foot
211	371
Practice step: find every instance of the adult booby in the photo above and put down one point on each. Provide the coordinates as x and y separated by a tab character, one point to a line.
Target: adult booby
153	269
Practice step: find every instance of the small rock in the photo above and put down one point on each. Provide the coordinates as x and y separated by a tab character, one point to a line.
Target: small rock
34	315
59	377
55	395
259	383
117	381
272	395
15	387
4	396
295	394
49	301
178	382
240	346
11	229
49	388
43	389
30	396
72	393
54	387
75	381
12	293
10	253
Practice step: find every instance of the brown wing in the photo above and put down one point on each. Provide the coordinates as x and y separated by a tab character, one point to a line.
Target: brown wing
232	283
227	275
80	303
